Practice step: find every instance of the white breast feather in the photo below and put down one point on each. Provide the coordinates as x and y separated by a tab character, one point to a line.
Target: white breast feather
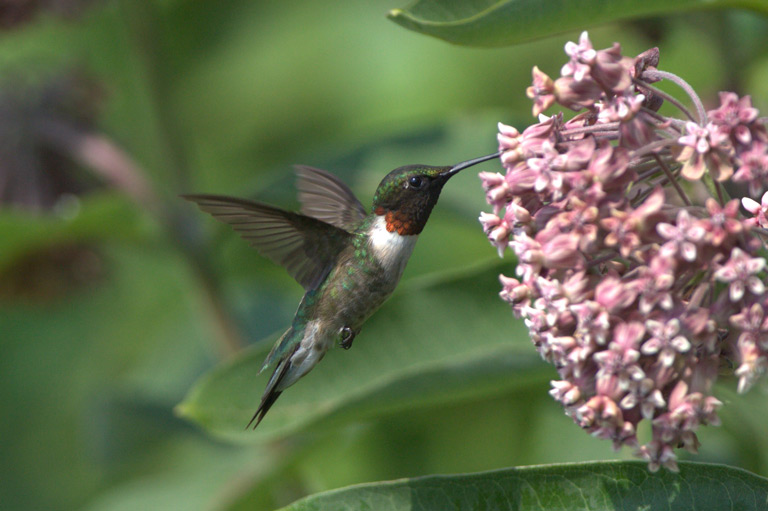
390	248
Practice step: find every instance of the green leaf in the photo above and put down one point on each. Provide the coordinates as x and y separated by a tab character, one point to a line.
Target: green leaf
192	477
583	486
101	216
97	371
501	23
442	338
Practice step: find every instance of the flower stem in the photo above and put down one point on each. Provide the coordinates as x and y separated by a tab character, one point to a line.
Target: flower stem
666	97
652	148
609	126
677	124
672	179
664	75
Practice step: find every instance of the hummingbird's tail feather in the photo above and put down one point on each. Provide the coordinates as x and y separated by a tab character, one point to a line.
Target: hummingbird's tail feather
270	393
266	403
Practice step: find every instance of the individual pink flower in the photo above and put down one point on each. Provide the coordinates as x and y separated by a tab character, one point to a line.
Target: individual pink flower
618	364
614	295
497	230
655	283
620	108
604	419
752	364
723	222
646	395
537	137
541	91
576	94
582	56
752	167
593	322
612	71
625	226
682	237
545	167
609	166
565	392
704	147
735	116
509	144
529	254
690	409
496	188
665	340
740	272
514	292
758	210
577	154
551	301
753	325
658	454
561	251
581	220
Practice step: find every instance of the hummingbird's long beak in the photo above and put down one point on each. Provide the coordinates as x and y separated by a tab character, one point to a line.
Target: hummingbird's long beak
465	164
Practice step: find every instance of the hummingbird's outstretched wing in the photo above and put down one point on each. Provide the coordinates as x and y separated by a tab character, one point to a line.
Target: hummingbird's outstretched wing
325	197
305	246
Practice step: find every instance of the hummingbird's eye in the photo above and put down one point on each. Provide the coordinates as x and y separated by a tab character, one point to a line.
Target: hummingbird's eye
415	182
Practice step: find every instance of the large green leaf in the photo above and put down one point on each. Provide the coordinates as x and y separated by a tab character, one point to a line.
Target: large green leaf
505	22
90	377
583	486
443	338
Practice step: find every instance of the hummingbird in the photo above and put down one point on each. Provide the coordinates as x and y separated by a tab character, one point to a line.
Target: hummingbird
348	261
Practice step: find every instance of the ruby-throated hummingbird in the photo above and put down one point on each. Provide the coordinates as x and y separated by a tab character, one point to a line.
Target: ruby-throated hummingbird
348	261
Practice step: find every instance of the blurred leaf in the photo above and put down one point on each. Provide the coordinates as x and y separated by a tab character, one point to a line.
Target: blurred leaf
741	438
505	22
102	216
443	338
69	363
195	476
587	486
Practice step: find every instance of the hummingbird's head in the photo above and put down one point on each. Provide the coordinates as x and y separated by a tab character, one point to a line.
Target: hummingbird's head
407	195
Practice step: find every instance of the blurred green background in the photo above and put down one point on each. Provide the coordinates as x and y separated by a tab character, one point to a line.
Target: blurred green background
117	297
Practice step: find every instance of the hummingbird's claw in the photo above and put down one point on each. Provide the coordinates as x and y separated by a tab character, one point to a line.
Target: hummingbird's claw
347	336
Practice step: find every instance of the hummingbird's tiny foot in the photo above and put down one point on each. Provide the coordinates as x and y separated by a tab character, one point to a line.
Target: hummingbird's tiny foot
347	336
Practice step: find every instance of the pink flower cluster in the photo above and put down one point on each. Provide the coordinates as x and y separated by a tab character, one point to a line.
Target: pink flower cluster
631	283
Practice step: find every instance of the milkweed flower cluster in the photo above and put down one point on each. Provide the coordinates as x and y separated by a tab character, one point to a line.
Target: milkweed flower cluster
637	277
